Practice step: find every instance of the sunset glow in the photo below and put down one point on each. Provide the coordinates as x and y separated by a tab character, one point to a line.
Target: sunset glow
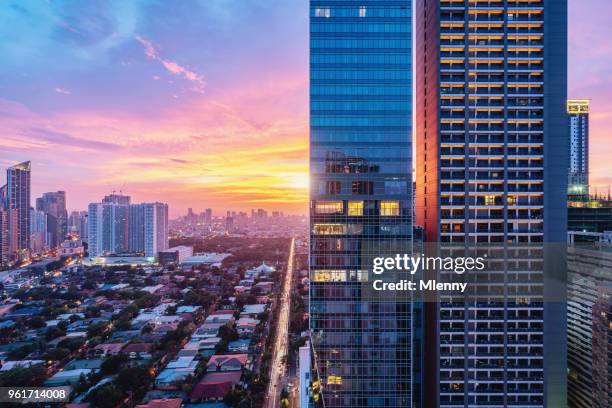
204	107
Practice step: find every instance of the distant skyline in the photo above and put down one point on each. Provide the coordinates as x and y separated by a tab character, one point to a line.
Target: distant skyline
198	104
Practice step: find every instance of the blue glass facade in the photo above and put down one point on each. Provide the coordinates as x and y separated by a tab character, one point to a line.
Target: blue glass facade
361	197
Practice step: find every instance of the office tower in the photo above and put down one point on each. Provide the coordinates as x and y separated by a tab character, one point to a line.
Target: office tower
54	205
491	172
589	332
38	231
108	227
578	112
360	168
18	210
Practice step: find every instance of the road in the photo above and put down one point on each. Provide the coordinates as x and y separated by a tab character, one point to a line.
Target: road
281	345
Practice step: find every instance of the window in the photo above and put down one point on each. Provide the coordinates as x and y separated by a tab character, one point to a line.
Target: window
389	208
328	207
395	187
355	208
323	12
329	229
363	187
333	187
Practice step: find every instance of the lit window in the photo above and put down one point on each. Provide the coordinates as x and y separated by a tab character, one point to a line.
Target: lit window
362	11
329	229
355	208
328	207
490	200
323	12
389	208
329	276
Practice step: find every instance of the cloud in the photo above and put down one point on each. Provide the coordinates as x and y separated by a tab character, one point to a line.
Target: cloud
172	66
64	139
62	91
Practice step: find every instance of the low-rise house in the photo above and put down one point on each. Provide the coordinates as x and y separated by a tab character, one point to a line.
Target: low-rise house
239	346
253	310
67	377
9	365
264	287
175	372
215	386
246	326
227	362
107	349
138	350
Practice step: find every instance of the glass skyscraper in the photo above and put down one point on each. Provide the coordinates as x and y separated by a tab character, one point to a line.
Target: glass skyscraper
492	143
361	198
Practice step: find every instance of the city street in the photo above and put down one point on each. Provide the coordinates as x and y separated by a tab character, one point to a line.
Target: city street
278	369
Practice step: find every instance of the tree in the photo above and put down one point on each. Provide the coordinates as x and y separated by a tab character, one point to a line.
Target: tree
32	376
37	322
112	364
228	333
134	379
54	332
57	354
97	329
106	396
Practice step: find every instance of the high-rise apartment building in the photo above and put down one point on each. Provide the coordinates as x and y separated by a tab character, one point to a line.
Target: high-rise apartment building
18	210
578	112
3	228
108	226
360	198
148	231
155	228
115	226
491	172
54	205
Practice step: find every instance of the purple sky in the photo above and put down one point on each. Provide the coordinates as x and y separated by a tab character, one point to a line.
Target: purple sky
200	103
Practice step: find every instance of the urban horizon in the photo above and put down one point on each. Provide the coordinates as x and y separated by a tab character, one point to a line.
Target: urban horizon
218	139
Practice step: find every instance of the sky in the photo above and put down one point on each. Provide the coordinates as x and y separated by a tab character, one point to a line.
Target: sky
197	103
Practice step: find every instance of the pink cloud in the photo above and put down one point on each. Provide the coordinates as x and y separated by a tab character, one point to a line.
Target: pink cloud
172	66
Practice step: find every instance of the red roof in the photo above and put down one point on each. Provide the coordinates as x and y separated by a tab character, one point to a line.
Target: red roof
215	385
211	391
163	403
235	360
137	348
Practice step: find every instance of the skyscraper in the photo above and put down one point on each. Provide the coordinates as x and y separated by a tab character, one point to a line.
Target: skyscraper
3	228
148	231
115	226
155	228
18	210
491	81
360	200
38	229
578	111
54	205
108	226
